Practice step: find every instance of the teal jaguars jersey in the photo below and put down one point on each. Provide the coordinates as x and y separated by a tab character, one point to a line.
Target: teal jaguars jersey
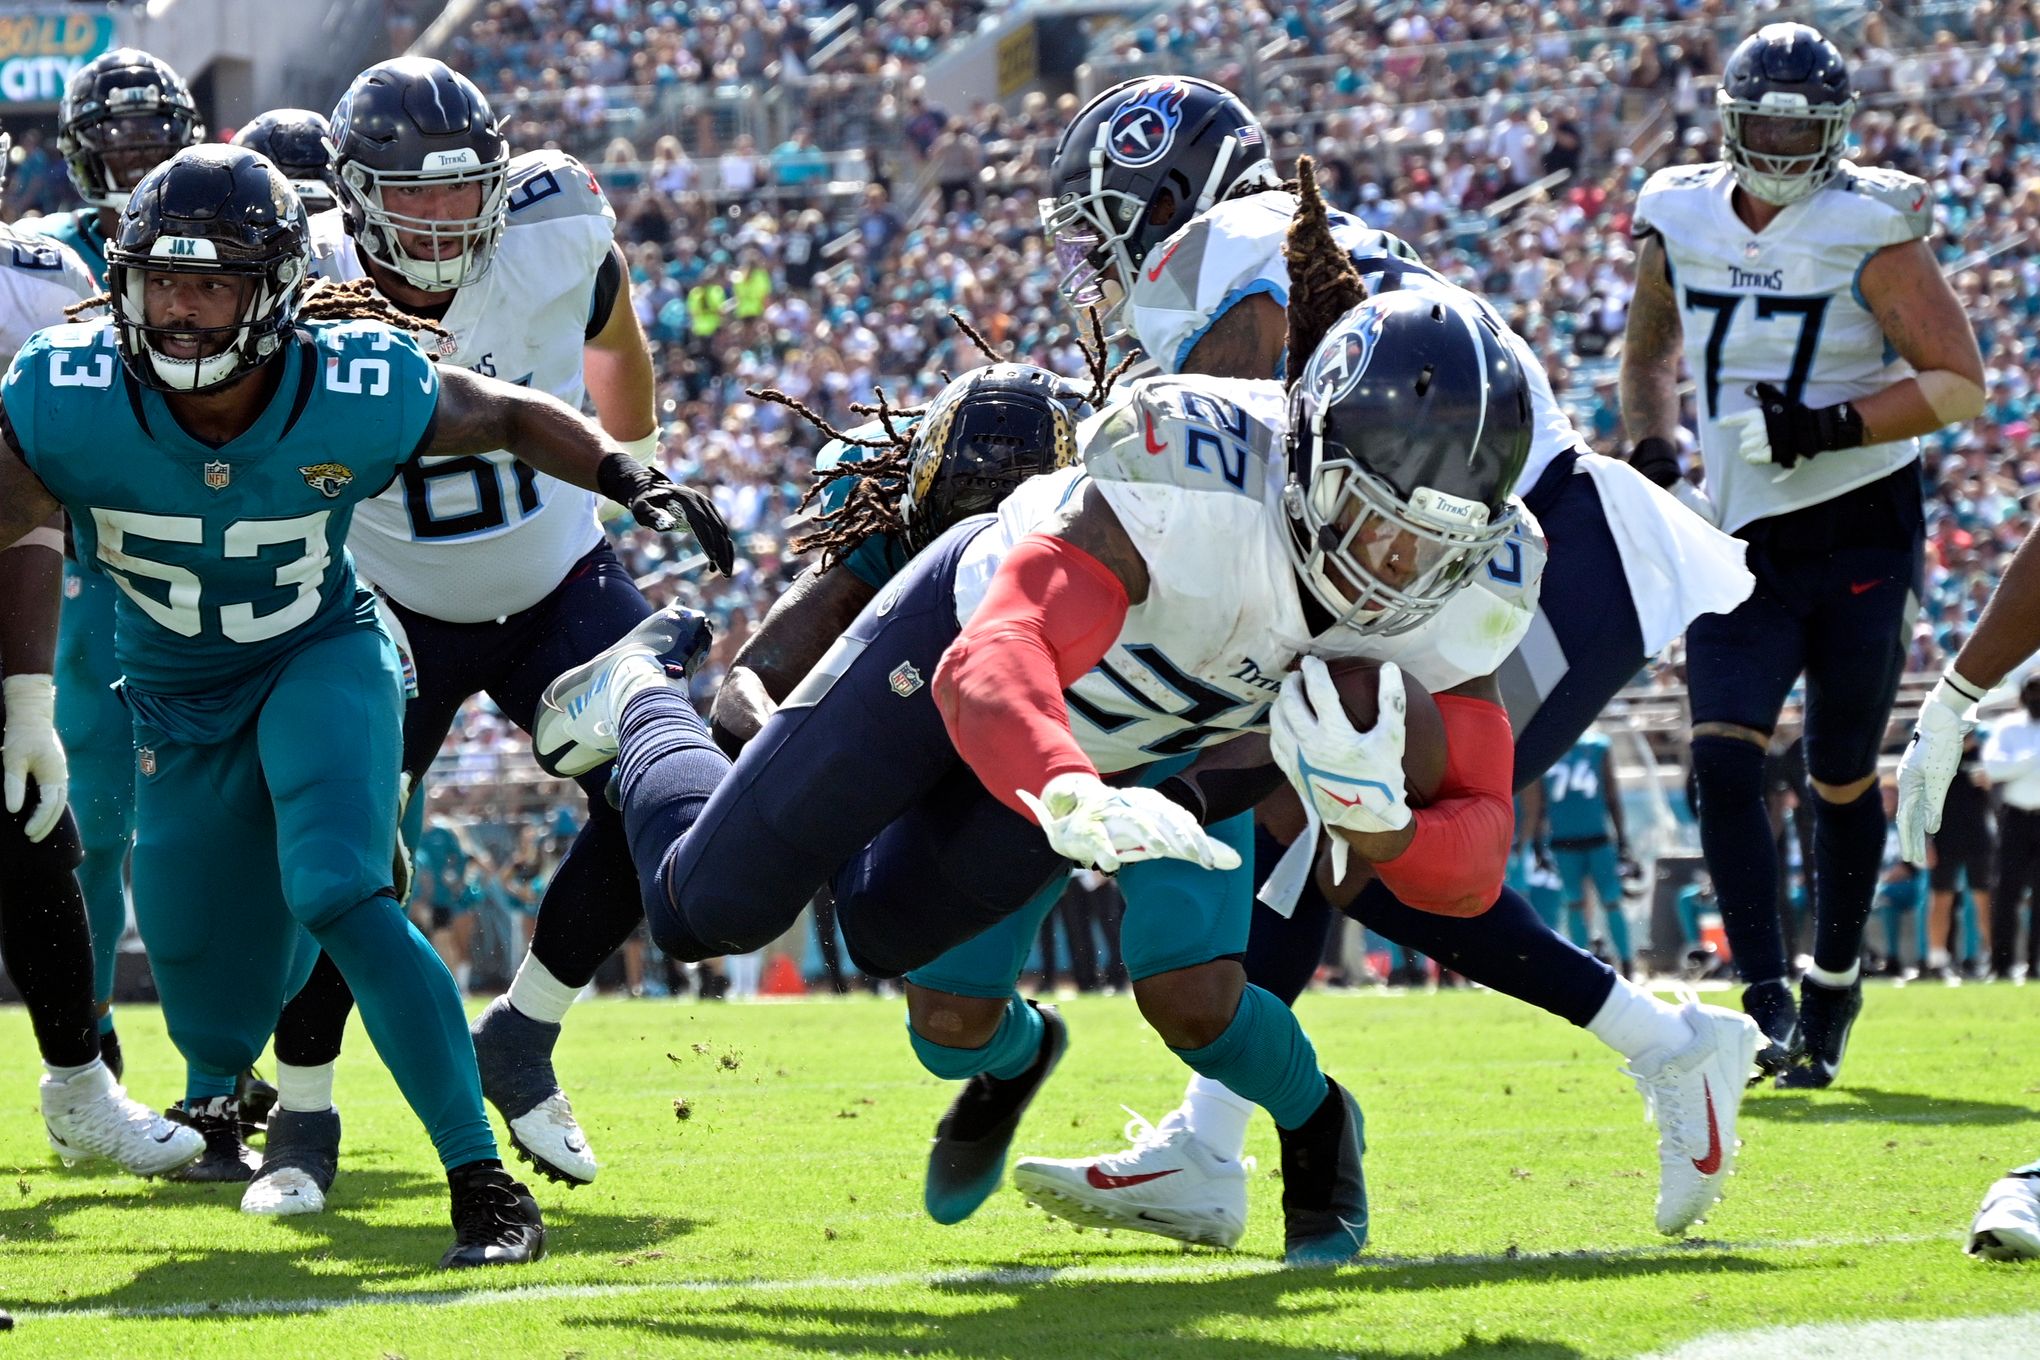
80	231
228	559
1575	796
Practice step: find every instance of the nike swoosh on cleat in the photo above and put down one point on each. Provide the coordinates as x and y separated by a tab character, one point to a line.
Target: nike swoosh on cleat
166	1135
1102	1180
1711	1163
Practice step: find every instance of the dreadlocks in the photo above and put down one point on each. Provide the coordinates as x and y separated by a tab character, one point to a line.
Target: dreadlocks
326	300
879	483
1323	284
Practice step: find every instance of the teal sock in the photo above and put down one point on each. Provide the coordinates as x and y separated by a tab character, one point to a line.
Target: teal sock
1012	1049
412	1011
200	1084
106	1021
1265	1056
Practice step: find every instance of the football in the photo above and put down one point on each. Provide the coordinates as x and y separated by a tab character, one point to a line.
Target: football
1359	683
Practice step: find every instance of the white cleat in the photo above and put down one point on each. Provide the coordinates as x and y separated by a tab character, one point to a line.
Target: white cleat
550	1138
287	1190
90	1115
1169	1183
1694	1093
2007	1227
580	711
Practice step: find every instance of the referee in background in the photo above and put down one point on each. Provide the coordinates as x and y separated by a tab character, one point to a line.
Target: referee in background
2011	759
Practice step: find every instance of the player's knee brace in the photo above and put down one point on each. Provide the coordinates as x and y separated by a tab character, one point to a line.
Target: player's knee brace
1728	770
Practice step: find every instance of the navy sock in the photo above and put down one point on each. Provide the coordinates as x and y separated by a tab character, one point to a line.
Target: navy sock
1848	850
1735	836
1264	1056
46	947
1506	948
666	769
1283	955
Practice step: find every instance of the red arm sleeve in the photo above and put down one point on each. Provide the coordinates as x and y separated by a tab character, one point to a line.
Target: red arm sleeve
1454	867
1050	614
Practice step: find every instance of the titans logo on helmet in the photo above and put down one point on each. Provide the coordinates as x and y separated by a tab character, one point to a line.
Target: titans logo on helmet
1342	358
1144	129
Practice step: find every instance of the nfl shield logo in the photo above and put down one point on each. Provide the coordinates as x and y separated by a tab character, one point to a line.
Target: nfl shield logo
904	679
145	757
217	475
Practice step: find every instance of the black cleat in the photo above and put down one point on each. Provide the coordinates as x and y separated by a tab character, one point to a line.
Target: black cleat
110	1054
1770	1005
227	1156
299	1163
1826	1016
968	1157
1324	1191
495	1219
257	1099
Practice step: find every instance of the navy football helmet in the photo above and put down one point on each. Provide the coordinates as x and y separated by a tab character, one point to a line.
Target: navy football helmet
1785	103
412	123
296	142
1408	430
985	433
127	105
1134	166
213	210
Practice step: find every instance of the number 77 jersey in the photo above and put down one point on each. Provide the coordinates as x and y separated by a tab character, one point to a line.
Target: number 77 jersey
228	558
1782	306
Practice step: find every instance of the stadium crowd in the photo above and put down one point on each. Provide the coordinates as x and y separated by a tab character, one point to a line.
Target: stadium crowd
1506	142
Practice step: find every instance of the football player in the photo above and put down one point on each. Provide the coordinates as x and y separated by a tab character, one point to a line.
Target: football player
1628	569
498	574
1822	341
2007	1226
210	443
296	141
45	936
1579	822
122	114
934	850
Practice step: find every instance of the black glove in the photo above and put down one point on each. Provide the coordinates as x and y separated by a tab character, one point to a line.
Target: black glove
658	502
1799	432
1658	460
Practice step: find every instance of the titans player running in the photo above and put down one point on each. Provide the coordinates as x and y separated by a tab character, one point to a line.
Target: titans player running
1823	342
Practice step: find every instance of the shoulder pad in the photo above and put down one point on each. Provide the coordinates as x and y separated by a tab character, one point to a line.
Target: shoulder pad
1213	434
74	335
1903	194
45	256
549	184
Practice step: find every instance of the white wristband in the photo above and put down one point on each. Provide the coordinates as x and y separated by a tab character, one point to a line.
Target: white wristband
645	449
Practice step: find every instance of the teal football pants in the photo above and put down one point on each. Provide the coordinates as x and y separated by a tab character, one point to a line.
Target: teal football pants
254	853
99	739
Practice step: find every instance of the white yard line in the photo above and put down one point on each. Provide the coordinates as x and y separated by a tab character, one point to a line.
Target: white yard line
1210	1267
2009	1337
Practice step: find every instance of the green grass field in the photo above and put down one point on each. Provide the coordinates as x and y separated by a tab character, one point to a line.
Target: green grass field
1511	1174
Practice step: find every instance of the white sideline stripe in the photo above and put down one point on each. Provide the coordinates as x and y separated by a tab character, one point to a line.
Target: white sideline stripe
2008	1337
1213	1268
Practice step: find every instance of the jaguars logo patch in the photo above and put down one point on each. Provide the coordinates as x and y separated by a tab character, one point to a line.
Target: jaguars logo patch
327	478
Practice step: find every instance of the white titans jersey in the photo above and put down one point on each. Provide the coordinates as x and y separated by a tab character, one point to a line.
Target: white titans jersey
469	539
1193	468
1234	250
39	277
1781	306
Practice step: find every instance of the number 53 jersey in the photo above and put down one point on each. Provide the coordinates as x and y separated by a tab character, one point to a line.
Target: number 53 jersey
228	559
1782	306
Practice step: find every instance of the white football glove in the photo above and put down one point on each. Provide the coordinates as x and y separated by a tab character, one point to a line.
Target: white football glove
1346	778
1946	717
1696	499
1091	822
1753	440
30	748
